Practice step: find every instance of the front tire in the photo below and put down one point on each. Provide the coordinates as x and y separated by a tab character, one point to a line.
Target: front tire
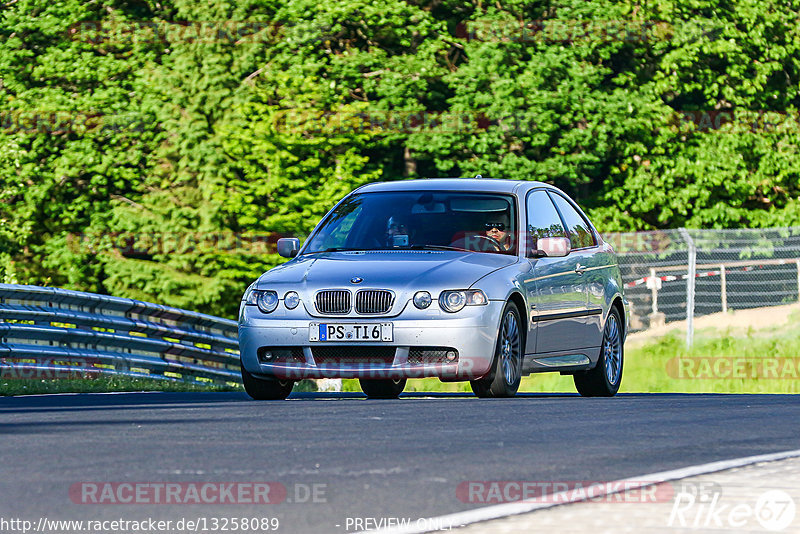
265	388
506	371
604	380
383	388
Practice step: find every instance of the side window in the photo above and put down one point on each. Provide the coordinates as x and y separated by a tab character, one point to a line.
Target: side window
340	230
580	235
543	219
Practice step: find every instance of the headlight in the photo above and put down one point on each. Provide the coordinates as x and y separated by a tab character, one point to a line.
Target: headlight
422	299
266	301
453	301
291	300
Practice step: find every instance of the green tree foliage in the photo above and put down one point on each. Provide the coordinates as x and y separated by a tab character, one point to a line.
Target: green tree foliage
147	149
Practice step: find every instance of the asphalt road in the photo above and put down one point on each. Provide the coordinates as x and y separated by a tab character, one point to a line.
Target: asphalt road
365	459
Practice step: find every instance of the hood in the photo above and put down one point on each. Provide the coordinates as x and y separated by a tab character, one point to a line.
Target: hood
396	270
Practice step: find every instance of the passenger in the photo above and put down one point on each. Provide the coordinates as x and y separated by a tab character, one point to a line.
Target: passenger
396	232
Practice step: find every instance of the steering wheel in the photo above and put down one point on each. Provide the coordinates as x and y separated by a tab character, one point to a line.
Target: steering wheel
469	241
494	242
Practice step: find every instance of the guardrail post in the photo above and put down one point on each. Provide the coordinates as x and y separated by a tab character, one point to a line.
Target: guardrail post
724	282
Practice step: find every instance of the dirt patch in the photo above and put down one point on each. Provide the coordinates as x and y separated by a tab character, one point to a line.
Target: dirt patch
738	322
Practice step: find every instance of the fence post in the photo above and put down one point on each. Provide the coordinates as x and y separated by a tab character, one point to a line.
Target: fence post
654	283
690	281
724	283
653	288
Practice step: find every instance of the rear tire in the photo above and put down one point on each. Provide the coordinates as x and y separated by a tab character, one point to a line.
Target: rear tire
383	388
605	378
266	388
506	371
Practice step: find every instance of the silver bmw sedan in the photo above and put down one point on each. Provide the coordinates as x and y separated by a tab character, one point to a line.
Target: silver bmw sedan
459	279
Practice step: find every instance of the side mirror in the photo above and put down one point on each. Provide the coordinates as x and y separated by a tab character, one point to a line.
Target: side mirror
551	247
288	246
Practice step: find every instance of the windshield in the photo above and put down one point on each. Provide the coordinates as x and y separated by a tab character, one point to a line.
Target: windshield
441	220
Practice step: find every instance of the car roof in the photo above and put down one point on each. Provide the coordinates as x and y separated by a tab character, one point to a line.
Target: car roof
487	185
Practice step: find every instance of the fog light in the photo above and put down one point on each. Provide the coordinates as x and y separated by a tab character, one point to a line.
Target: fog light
291	300
266	355
451	355
422	299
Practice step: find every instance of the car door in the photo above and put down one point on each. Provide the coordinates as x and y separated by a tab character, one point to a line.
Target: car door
585	261
555	290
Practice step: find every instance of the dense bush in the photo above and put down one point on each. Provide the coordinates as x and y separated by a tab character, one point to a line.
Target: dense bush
140	140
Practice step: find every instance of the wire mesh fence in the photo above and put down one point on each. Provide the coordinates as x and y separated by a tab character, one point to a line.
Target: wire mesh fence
674	275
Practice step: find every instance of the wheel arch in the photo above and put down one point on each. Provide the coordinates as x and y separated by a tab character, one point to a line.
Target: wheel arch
517	299
616	303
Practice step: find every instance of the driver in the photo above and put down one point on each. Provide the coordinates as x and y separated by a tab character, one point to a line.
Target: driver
498	228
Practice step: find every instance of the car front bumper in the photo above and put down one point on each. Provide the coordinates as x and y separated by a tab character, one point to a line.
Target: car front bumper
471	333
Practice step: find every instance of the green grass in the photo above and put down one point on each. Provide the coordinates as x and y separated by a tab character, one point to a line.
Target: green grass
751	362
99	384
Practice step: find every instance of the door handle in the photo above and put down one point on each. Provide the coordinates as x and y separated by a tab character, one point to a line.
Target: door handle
580	268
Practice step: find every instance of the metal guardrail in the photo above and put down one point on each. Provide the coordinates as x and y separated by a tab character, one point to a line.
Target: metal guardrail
50	332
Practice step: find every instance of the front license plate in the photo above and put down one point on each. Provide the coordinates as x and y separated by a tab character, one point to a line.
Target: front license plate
350	332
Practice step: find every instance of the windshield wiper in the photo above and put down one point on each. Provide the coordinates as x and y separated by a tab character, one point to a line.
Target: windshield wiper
335	249
436	247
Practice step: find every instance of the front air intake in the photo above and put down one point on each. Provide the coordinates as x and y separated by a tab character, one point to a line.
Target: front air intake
373	301
333	302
